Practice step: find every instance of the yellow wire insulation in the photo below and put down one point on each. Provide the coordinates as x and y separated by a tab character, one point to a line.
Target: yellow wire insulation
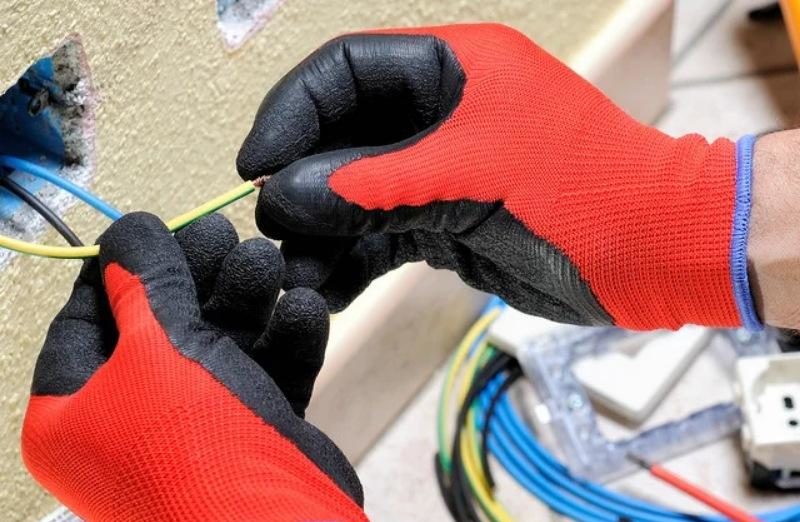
173	224
496	510
469	445
476	360
462	351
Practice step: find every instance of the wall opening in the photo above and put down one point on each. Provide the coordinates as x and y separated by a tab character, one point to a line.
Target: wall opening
46	118
240	19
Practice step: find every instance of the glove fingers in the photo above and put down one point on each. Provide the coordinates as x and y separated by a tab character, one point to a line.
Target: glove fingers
206	243
342	278
80	338
310	260
245	290
356	90
293	348
137	253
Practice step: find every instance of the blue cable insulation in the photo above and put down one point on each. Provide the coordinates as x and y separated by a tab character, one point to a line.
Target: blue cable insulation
505	412
584	489
536	469
514	460
538	487
64	184
560	478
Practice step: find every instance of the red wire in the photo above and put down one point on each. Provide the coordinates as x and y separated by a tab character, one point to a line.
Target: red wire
729	510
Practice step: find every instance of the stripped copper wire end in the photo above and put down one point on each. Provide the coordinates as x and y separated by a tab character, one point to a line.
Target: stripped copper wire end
259	181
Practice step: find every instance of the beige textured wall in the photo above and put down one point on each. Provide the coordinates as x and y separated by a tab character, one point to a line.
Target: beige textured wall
174	105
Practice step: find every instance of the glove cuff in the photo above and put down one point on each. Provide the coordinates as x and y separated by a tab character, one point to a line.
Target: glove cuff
741	229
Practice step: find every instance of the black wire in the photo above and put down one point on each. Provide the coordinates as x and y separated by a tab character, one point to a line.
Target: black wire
444	486
460	493
42	209
514	373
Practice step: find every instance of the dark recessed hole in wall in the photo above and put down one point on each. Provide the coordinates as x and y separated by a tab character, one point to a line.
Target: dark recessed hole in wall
47	118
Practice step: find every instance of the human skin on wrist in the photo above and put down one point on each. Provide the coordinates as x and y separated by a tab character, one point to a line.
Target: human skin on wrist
773	247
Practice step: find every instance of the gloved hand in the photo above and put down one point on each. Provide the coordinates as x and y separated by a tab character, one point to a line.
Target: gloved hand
174	388
471	148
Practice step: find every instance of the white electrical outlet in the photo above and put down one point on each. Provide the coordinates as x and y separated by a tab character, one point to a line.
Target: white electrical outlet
768	391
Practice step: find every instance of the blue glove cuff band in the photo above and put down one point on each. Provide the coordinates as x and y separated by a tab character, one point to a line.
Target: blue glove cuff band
741	228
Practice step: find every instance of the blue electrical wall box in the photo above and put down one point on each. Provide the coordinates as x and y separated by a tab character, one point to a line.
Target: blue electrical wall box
30	128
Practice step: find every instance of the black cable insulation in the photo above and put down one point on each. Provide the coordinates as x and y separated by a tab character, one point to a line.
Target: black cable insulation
42	209
460	491
444	488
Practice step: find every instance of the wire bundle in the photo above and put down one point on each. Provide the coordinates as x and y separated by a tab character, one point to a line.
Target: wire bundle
462	469
488	421
77	250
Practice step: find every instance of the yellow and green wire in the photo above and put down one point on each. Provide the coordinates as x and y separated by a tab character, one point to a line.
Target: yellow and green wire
470	355
173	224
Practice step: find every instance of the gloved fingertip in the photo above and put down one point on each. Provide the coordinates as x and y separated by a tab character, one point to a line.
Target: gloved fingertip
293	348
299	198
138	253
266	222
213	227
132	237
285	128
302	311
255	267
206	243
304	272
247	284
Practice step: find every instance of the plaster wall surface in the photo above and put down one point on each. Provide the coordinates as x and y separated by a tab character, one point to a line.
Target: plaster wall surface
173	105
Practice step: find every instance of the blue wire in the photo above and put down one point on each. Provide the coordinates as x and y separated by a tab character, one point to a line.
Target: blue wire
530	464
560	475
566	484
534	468
79	192
514	460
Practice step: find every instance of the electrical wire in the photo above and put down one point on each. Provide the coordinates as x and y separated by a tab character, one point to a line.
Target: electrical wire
470	389
719	505
458	471
466	452
513	444
38	171
42	209
469	342
514	374
173	225
465	478
518	451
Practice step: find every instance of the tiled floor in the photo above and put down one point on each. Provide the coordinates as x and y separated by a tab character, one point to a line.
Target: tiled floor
730	77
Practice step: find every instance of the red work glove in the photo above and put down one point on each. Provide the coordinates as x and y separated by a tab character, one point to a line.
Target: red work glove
471	148
161	391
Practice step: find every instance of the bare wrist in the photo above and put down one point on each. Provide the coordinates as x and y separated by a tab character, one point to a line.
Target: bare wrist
773	247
